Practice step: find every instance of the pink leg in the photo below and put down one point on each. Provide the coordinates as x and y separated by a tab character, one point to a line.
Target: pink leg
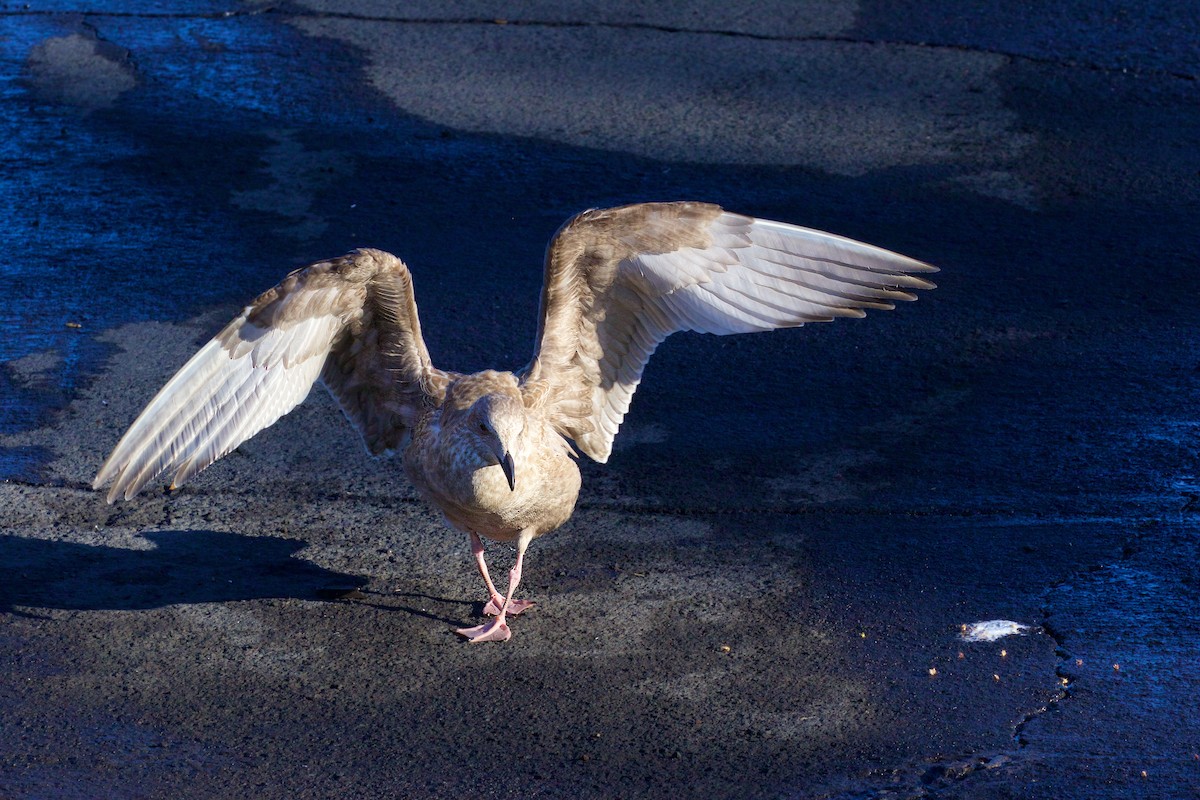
497	630
495	599
481	565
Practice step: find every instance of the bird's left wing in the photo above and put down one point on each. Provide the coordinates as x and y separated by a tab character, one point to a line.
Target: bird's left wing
618	281
351	322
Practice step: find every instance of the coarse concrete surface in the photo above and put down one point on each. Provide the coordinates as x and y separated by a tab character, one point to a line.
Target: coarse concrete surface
762	594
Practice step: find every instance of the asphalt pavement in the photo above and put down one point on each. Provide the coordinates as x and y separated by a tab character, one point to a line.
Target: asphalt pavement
763	593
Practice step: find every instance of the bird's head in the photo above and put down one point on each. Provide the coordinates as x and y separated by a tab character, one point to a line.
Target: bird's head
497	421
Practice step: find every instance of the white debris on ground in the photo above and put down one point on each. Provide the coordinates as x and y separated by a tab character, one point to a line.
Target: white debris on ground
991	630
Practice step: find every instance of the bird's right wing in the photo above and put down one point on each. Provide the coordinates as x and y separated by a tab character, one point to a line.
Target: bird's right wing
621	280
350	322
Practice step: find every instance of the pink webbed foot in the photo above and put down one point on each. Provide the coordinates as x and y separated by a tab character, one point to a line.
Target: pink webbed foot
497	630
492	609
494	631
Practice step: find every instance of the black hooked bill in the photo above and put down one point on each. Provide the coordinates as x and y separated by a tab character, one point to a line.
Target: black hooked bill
506	464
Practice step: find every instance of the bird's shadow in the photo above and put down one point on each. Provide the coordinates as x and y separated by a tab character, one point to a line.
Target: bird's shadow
186	566
413	605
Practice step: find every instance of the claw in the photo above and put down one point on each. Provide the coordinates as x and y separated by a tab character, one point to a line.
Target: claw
494	631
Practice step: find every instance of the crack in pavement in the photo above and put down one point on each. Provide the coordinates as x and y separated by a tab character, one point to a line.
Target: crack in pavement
631	26
1128	549
126	55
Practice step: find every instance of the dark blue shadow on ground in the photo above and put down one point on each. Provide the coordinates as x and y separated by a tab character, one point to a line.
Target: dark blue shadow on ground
183	567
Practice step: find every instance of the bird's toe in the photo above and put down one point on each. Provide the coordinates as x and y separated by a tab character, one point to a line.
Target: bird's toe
494	631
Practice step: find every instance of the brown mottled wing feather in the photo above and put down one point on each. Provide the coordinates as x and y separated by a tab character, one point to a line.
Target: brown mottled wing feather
378	367
350	322
619	281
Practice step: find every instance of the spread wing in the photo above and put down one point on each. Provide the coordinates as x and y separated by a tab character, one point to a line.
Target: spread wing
619	281
350	322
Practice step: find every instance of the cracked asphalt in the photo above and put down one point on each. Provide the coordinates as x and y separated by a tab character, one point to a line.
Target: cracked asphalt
761	594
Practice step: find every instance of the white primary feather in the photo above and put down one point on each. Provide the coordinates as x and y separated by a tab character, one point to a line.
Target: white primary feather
350	322
217	401
755	275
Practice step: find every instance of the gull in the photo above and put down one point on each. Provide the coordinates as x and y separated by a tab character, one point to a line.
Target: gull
495	452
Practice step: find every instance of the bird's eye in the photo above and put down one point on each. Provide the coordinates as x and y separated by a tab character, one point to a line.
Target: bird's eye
483	428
